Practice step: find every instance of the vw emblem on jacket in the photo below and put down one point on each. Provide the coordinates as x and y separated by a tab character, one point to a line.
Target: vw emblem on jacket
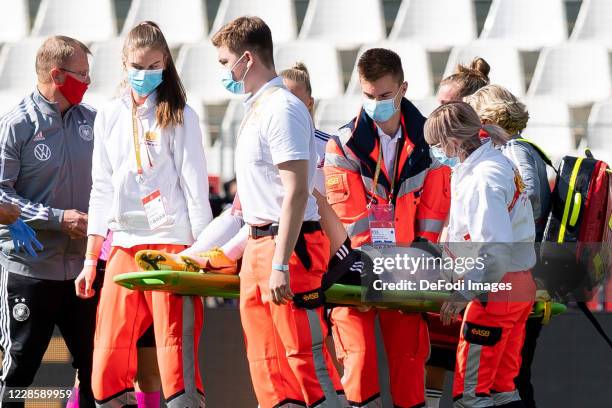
42	152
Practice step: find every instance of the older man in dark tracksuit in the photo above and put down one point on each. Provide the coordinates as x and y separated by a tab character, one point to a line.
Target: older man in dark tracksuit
46	145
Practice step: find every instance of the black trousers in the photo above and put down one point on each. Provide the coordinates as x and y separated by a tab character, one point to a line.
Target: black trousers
29	318
523	380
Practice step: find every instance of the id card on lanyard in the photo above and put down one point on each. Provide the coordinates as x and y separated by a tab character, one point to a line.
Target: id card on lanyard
152	201
382	223
382	216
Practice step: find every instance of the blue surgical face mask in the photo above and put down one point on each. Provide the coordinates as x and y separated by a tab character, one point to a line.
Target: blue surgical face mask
438	154
380	111
144	81
235	87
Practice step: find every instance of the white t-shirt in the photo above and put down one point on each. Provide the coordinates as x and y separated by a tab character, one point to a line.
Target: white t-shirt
277	130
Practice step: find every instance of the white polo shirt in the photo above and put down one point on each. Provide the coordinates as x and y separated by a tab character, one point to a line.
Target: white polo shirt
277	130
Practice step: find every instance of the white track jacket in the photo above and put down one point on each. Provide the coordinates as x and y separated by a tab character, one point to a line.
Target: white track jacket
173	163
490	216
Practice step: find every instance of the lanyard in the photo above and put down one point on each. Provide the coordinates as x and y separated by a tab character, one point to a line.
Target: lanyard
395	164
377	171
136	142
140	176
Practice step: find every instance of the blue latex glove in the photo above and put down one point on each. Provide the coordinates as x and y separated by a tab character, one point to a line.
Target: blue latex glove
24	237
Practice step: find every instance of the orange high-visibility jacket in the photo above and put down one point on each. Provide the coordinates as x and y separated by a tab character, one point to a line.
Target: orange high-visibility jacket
422	189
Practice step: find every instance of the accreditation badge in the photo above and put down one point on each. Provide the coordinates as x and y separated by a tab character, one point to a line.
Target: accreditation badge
155	210
382	224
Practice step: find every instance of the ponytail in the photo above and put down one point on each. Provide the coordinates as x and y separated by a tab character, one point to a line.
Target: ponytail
298	73
499	136
469	79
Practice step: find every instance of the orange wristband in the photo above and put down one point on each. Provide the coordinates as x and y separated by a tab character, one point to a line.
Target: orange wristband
93	255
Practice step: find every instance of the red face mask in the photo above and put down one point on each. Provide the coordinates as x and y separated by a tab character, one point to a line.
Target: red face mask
72	89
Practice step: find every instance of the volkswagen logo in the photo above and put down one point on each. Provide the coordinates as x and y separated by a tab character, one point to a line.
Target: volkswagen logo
42	152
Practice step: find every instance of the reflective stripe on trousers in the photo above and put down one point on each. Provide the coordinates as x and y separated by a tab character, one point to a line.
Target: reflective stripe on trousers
501	398
469	399
190	397
332	399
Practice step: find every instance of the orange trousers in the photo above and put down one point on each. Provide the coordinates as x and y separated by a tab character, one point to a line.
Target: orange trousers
123	316
406	341
289	362
490	344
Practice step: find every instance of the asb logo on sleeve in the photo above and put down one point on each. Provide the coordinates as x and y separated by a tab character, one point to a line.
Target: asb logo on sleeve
42	152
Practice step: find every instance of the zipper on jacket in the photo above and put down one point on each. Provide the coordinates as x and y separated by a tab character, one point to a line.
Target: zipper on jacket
67	164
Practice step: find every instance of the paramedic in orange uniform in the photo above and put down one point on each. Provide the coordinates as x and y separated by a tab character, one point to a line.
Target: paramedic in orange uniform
464	81
286	253
381	161
491	219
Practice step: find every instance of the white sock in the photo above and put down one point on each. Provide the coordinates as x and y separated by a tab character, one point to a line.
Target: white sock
432	397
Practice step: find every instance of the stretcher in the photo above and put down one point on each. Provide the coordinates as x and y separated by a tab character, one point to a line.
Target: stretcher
228	286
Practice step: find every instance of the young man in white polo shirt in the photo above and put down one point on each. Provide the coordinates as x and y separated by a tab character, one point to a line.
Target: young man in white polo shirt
287	253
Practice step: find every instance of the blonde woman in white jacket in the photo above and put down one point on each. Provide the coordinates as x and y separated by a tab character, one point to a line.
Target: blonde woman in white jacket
150	187
491	221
